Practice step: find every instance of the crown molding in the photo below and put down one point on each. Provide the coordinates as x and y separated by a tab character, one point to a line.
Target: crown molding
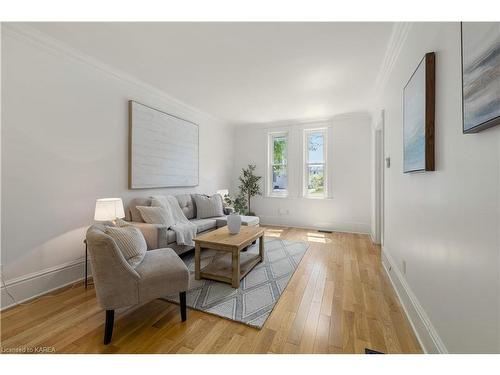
31	35
399	34
361	115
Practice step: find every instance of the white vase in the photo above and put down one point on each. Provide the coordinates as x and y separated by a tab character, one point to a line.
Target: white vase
234	223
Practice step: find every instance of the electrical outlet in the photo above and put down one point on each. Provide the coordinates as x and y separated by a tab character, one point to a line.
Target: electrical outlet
404	267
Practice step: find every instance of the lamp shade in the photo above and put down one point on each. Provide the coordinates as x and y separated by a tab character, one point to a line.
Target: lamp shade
108	209
223	192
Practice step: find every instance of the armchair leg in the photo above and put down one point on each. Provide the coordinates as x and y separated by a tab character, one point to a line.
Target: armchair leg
182	300
108	328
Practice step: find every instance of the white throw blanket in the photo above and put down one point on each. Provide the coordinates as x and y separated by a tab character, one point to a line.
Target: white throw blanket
184	230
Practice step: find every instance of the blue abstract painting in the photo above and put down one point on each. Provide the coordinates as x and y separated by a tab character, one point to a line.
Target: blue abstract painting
480	75
414	121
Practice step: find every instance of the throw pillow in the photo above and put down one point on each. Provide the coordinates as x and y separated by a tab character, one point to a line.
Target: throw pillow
130	242
208	206
121	223
156	215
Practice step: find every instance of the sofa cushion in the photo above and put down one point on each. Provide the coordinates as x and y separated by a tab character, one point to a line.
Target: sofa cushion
170	236
156	215
204	224
130	242
187	205
166	238
121	223
208	206
133	213
245	220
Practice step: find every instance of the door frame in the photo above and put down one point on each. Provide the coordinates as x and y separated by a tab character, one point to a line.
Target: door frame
379	173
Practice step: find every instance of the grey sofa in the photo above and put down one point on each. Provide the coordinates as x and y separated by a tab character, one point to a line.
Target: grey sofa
158	236
118	284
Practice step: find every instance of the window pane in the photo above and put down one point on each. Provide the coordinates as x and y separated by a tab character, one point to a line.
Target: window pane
279	150
315	147
280	181
316	180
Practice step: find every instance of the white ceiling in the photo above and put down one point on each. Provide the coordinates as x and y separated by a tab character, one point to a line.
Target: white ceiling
243	72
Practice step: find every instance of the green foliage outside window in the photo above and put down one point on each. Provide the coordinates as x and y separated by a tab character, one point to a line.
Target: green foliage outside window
279	148
317	183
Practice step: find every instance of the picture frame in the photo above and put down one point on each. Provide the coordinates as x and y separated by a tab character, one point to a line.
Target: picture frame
480	60
418	117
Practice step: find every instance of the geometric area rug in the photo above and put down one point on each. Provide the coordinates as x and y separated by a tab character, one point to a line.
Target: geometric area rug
259	291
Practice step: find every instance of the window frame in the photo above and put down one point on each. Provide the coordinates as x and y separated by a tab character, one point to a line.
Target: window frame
306	164
271	164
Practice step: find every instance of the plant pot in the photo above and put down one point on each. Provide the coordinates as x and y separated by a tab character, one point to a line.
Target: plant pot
234	223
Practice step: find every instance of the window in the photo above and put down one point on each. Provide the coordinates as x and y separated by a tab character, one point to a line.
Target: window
315	166
278	168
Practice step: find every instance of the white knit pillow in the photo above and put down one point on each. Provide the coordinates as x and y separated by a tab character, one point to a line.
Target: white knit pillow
208	206
130	242
156	215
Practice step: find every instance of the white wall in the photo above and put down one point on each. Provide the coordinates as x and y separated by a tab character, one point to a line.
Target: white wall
64	144
444	224
349	163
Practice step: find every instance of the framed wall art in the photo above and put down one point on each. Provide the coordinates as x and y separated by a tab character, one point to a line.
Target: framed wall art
418	117
163	149
480	75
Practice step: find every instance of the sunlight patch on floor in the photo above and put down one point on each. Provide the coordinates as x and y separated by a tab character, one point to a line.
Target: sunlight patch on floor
274	232
317	237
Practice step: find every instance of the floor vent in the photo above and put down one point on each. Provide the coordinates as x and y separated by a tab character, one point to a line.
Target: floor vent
371	351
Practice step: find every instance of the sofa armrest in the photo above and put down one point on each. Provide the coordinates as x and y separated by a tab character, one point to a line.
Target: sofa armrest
152	233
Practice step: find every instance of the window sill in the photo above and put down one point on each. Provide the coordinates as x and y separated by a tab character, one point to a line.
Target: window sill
316	198
298	197
277	196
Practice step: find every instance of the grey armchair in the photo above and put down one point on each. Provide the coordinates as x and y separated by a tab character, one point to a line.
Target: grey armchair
118	284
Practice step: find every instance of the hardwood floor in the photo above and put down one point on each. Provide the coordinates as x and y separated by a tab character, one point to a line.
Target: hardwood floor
338	301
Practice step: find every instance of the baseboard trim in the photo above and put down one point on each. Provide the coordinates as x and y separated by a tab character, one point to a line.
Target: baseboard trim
37	284
424	330
357	228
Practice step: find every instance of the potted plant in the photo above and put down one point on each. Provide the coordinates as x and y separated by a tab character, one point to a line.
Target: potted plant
249	186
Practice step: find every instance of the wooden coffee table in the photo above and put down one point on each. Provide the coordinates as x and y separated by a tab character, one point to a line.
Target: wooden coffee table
233	267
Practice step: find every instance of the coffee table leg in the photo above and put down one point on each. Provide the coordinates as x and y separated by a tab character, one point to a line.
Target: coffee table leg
261	248
197	262
236	269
